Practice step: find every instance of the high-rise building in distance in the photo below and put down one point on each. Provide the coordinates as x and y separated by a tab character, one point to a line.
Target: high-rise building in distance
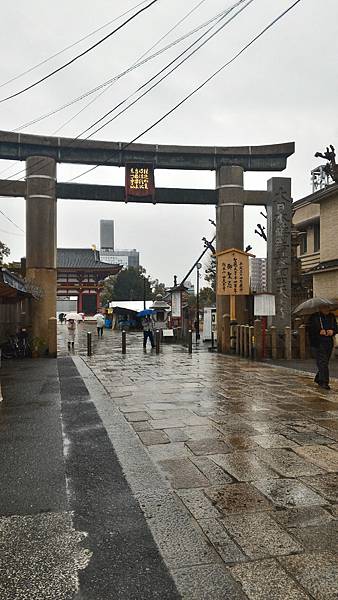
108	254
107	234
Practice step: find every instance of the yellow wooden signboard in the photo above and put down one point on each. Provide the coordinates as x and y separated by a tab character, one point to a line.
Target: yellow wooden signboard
233	273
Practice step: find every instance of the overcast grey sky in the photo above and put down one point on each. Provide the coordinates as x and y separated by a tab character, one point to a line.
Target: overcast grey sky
284	88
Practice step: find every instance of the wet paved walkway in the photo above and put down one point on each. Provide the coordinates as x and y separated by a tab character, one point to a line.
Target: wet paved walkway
234	464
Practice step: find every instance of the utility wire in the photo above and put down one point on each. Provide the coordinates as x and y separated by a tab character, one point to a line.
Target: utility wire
32	85
82	39
223	14
11	233
10	220
132	66
247	3
186	16
198	88
122	74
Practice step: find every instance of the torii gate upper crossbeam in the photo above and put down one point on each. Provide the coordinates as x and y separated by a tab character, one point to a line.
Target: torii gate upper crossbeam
17	146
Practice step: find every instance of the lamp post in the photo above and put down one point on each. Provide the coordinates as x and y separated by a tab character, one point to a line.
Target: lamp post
144	293
198	267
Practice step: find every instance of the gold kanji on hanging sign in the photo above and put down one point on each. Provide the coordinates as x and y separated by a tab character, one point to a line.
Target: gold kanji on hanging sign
140	181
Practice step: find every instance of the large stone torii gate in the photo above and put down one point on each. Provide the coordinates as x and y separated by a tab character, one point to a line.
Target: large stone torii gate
41	191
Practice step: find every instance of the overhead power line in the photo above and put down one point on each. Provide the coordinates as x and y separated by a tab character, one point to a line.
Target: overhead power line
70	46
120	75
9	219
163	37
134	65
198	88
11	233
80	55
206	81
205	41
219	16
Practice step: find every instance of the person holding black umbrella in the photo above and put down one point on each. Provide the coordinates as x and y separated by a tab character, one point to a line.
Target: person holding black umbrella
322	329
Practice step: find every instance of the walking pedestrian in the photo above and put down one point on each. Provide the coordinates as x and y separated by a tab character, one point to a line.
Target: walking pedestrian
61	317
322	329
147	324
99	324
71	330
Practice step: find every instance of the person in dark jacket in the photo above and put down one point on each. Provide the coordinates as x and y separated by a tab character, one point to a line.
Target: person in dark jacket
322	329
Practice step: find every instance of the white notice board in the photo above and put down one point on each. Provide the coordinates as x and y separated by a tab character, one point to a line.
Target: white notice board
176	304
264	305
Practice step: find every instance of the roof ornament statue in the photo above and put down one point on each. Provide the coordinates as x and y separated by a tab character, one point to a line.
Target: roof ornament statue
331	168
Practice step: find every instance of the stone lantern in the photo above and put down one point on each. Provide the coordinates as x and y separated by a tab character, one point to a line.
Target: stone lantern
161	314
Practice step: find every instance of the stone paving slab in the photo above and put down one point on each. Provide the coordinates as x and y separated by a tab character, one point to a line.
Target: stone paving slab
305	516
325	485
215	475
152	438
240	441
219	582
267	580
244	466
260	536
198	504
323	537
274	441
180	541
177	434
324	457
229	551
207	446
316	572
183	474
309	438
287	463
237	498
288	493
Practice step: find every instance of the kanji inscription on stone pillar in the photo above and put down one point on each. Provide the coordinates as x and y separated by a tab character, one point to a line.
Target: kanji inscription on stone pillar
279	249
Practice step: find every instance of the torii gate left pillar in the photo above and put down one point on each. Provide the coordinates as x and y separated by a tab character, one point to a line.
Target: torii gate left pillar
41	243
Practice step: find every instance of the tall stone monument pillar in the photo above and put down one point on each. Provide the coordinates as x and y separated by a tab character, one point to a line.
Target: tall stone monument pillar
229	230
41	240
279	212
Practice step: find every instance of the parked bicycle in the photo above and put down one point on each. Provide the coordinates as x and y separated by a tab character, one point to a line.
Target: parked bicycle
17	346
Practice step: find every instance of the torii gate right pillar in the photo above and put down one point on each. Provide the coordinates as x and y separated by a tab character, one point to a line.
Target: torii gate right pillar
229	232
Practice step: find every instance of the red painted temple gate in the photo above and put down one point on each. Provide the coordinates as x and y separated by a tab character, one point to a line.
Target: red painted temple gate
80	273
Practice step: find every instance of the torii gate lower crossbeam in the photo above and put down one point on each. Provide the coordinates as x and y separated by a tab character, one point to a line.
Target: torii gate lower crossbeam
41	190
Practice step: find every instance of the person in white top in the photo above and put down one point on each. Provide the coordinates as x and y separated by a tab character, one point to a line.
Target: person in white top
99	324
71	330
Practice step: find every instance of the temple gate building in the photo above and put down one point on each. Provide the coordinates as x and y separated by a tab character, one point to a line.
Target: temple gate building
80	275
